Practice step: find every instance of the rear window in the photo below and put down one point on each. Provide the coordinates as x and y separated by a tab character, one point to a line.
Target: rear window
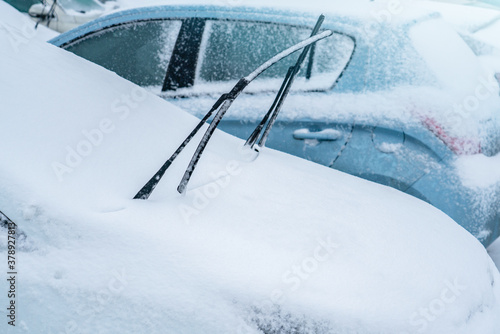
469	112
448	56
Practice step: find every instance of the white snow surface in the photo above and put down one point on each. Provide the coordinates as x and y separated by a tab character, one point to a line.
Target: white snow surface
482	24
479	171
21	27
329	252
466	18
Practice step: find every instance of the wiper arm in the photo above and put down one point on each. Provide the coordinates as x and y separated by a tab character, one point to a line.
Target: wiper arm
222	104
148	188
310	62
218	117
273	112
256	133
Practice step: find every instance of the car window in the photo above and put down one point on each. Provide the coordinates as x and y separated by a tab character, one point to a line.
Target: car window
231	50
137	51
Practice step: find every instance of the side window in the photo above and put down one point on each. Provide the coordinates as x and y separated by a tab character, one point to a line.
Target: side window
231	50
137	51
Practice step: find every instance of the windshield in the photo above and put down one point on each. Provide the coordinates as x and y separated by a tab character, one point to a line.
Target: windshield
446	54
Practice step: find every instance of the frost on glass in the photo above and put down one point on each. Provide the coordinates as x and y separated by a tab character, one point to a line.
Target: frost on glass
138	51
231	50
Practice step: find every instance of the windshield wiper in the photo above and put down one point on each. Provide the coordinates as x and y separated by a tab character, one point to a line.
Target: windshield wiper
222	105
45	16
273	112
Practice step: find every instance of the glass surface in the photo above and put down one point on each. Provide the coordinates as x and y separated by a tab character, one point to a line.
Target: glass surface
138	51
231	50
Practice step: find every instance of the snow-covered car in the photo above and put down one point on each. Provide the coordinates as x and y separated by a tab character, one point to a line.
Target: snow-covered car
271	245
379	99
62	15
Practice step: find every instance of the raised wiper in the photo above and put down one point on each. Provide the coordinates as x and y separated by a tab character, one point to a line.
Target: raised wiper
42	17
311	62
222	105
273	112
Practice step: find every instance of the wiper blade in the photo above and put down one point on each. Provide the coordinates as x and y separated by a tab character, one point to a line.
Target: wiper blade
218	117
46	17
310	62
273	112
148	188
222	105
256	133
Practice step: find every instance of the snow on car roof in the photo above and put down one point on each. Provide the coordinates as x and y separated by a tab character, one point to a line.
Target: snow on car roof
361	9
252	242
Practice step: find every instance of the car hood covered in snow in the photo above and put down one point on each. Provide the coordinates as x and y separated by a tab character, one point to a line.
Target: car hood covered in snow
271	244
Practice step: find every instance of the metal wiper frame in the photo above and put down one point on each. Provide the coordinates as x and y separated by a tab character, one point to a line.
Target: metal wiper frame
223	104
50	14
272	114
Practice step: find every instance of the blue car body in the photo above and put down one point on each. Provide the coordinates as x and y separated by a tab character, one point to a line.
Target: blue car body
410	152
